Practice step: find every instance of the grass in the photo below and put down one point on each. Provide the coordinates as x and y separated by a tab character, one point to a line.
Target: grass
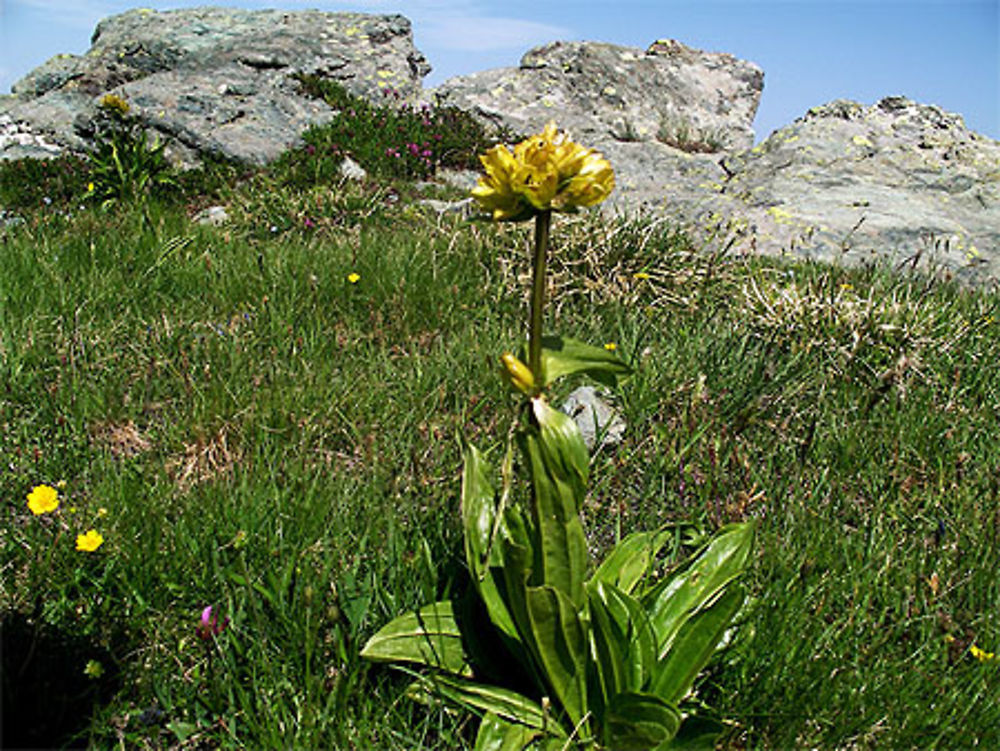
249	429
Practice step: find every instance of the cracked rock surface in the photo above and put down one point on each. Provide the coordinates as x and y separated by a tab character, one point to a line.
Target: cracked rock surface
216	80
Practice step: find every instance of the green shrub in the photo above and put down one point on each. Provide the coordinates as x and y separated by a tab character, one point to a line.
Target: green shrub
389	141
35	183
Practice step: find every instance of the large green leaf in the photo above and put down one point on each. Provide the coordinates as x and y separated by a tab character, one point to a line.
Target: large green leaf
430	636
622	641
562	356
697	734
686	590
694	645
518	556
482	548
479	697
562	647
498	734
639	722
559	467
630	560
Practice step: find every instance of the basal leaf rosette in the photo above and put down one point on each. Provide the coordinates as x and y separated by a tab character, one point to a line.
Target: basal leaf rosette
545	172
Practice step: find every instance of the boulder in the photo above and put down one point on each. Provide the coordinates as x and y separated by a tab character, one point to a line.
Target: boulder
897	182
670	93
217	80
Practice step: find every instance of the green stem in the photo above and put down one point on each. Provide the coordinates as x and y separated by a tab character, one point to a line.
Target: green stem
542	222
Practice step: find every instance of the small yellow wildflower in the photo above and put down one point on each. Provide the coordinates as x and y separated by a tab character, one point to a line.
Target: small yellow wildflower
354	278
90	187
610	346
93	669
847	287
640	275
980	654
42	499
89	542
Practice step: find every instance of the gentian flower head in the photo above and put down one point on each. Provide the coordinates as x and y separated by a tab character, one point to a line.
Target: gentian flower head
545	172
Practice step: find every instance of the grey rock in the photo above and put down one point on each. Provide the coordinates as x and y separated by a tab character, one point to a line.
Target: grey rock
694	100
461	179
897	183
20	143
218	80
351	170
595	417
9	219
464	208
213	216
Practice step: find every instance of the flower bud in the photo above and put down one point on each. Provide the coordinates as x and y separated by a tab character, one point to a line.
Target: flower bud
519	374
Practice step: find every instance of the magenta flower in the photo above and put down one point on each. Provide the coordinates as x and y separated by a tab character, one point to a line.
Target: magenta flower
210	625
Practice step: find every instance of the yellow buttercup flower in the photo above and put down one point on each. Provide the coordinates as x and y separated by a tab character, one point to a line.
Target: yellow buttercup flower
42	499
89	542
980	654
354	278
545	172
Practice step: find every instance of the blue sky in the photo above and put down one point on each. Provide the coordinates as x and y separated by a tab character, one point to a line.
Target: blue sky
944	52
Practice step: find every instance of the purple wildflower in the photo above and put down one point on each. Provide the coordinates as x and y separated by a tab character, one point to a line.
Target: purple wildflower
209	625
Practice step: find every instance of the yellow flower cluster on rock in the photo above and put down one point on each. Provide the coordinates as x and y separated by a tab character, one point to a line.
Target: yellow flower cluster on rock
114	104
546	172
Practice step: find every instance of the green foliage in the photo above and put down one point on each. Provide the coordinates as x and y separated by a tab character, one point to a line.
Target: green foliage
393	140
37	184
608	666
271	439
124	166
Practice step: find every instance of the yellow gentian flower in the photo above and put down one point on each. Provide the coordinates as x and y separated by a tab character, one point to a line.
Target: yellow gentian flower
495	192
545	172
114	103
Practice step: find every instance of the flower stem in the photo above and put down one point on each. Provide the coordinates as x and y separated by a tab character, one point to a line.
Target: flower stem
542	222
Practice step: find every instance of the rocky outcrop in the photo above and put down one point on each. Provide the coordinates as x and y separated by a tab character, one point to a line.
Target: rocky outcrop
217	80
897	182
672	94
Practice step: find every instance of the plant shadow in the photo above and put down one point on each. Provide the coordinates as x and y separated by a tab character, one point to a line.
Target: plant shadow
48	698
